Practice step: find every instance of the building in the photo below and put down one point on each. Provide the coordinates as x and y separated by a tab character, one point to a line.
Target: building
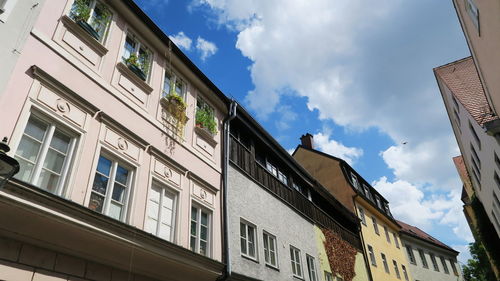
120	175
479	167
429	258
282	224
16	21
379	230
480	21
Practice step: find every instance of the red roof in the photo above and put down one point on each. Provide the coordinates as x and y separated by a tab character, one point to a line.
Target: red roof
418	233
462	79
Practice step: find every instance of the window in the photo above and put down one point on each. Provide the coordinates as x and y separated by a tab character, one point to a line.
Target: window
474	134
387	237
93	16
282	178
384	261
375	226
200	231
277	173
271	168
296	262
377	199
311	268
445	267
434	262
405	274
362	215
455	102
372	256
172	84
354	181
473	11
395	240
453	267
205	116
137	57
328	276
422	258
367	191
44	154
476	158
411	257
247	239
110	188
161	212
270	250
457	118
396	269
6	7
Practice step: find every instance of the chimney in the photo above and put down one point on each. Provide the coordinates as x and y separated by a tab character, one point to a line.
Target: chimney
307	141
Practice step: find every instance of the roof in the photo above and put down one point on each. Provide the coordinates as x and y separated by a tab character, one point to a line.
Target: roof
420	234
462	79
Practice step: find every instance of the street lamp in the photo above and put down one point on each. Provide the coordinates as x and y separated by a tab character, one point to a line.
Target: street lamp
8	165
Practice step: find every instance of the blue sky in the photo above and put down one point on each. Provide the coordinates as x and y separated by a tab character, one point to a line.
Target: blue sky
358	77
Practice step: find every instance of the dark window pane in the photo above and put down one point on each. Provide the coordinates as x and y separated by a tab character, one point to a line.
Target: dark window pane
121	175
100	184
104	165
118	192
96	202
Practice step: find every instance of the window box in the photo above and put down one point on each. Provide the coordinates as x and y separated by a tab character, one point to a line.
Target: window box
174	105
87	27
137	57
83	36
130	75
133	64
92	16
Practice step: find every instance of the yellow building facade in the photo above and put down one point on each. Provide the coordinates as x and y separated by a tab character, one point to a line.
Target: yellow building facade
383	248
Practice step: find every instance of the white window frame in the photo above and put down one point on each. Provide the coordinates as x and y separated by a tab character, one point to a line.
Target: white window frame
296	262
138	46
362	215
411	256
311	268
44	148
115	162
354	181
371	253
270	239
200	210
174	79
164	190
384	261
246	237
92	6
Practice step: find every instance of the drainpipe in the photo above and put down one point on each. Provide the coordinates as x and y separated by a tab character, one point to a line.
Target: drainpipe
367	265
226	124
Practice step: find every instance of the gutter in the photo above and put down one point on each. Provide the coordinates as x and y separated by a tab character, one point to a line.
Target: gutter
226	257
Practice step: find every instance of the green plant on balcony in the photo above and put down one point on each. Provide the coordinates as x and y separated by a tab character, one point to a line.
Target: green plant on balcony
138	65
205	119
176	107
80	10
101	19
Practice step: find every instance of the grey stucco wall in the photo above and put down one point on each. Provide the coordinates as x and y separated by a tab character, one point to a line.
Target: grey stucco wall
15	26
249	201
419	272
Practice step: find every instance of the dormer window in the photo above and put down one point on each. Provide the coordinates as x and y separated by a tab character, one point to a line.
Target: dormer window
354	181
93	16
367	191
137	57
377	198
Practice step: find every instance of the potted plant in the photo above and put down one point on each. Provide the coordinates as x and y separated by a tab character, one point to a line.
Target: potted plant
176	107
80	13
101	20
205	120
134	64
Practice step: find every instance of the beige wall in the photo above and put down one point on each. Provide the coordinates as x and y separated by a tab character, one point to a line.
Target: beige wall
484	44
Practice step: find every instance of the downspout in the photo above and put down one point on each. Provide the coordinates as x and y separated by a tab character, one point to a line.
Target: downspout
226	123
367	265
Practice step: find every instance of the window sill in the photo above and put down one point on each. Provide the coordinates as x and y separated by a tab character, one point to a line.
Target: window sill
272	267
206	135
84	36
249	258
298	277
134	78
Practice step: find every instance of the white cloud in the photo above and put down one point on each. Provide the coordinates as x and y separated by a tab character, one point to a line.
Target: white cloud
323	143
287	117
182	41
206	48
464	255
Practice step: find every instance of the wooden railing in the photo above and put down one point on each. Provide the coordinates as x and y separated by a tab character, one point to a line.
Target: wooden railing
243	158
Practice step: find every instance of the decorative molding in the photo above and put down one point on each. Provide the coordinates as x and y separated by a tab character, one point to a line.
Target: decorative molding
134	78
84	36
53	84
162	157
202	182
116	126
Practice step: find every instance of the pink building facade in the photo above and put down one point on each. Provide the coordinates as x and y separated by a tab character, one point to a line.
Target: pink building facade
119	139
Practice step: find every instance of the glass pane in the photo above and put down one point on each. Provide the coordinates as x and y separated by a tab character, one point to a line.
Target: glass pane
115	210
28	149
243	230
251	237
25	169
165	231
48	181
121	175
192	244
100	184
118	192
153	210
203	233
151	225
194	214
194	231
178	88
273	259
100	19
96	202
154	194
204	218
54	161
104	165
60	142
243	245
166	216
168	201
271	244
203	248
266	242
35	129
251	249
129	47
166	83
